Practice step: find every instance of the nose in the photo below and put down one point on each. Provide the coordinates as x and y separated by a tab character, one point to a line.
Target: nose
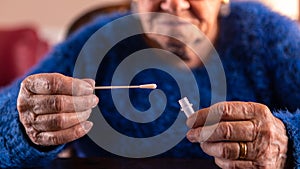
173	6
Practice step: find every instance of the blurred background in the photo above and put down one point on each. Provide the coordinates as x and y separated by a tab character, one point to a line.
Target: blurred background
51	18
28	29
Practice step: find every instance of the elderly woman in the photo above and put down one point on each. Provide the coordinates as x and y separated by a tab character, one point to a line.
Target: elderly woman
259	121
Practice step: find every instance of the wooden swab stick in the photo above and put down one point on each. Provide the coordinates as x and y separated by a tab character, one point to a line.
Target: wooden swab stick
145	86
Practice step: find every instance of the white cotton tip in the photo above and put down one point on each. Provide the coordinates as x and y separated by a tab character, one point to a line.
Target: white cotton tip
148	86
186	107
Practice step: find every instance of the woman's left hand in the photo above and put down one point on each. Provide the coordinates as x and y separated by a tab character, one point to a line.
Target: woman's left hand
247	135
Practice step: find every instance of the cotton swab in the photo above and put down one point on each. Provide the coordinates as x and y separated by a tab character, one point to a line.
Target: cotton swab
144	86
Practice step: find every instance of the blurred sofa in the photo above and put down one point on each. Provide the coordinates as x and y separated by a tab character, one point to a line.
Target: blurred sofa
20	49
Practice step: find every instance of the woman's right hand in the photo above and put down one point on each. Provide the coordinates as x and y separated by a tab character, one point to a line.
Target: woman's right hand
54	108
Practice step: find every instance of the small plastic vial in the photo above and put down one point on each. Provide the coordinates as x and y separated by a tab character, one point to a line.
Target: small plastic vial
186	107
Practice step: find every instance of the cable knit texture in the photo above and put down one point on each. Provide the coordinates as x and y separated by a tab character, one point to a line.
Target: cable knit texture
259	50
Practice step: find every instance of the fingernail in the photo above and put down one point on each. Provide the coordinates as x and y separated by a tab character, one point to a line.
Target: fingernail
190	136
87	125
93	83
87	87
90	81
95	101
191	121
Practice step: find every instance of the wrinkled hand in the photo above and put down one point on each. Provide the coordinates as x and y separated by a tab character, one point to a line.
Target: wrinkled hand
54	108
247	122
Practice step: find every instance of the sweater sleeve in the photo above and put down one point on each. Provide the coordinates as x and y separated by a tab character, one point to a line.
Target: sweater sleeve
285	67
273	47
292	123
16	149
287	93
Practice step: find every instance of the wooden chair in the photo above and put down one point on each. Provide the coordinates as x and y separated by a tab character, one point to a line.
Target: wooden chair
92	14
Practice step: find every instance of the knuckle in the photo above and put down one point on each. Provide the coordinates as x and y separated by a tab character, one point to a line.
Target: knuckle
58	121
36	140
57	103
42	83
268	130
24	102
198	135
225	152
54	140
57	80
225	131
217	111
23	89
224	109
254	129
21	107
262	109
79	132
25	83
46	84
27	118
32	83
37	106
48	139
34	136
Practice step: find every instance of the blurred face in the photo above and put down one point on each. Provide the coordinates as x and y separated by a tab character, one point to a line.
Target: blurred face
200	13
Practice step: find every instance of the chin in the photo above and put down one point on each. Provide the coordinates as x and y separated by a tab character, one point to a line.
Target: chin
193	64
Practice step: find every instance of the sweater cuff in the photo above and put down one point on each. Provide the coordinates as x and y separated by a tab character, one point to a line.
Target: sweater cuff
37	157
292	124
25	154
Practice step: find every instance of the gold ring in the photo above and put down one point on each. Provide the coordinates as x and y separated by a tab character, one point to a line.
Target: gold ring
243	150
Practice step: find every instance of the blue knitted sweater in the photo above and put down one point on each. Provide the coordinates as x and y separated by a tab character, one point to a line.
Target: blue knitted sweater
259	50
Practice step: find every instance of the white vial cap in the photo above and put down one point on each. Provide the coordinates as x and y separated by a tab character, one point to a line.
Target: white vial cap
186	107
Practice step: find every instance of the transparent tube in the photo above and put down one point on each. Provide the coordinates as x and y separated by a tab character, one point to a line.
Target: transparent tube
186	107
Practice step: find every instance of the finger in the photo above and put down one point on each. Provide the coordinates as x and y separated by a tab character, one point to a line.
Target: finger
226	150
238	164
224	131
55	122
46	104
54	83
63	136
90	81
226	111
